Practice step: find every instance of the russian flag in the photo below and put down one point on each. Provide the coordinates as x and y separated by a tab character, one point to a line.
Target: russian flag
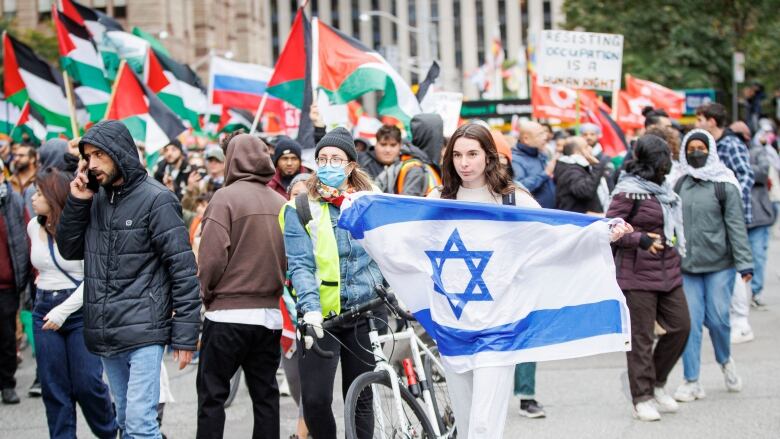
236	84
496	285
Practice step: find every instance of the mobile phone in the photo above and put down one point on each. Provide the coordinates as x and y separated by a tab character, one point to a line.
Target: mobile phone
203	173
92	182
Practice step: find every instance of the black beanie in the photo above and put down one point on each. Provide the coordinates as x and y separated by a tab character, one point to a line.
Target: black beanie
697	136
341	139
285	145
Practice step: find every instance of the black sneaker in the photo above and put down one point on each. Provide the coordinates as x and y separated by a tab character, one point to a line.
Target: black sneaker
10	396
35	389
531	409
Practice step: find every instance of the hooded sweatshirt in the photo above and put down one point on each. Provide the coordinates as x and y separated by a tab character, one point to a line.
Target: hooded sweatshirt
242	258
428	135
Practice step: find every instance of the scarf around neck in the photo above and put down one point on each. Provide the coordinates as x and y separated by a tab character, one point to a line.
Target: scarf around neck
670	205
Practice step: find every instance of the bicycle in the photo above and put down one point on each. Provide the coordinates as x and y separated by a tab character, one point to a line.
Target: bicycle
419	408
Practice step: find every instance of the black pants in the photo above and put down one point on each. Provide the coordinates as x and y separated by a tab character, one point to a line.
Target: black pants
9	305
226	346
647	367
318	375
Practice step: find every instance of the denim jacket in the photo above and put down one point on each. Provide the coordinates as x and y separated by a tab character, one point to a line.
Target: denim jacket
359	273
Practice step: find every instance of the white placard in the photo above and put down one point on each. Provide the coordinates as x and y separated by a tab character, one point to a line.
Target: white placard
580	60
447	105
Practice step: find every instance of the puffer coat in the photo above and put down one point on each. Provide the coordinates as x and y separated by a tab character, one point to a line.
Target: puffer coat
140	280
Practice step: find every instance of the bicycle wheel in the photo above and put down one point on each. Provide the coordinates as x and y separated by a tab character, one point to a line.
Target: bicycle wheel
369	411
440	395
234	383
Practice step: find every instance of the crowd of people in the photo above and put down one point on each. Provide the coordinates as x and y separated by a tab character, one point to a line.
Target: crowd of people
221	254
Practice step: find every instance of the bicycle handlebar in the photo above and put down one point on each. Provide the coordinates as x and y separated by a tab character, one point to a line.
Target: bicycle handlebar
384	298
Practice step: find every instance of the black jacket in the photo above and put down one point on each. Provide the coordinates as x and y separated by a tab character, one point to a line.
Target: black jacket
576	188
140	284
12	211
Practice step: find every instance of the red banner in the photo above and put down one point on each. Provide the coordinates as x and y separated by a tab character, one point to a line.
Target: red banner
660	96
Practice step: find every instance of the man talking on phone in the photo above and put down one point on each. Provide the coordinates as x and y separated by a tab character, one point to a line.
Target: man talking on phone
140	287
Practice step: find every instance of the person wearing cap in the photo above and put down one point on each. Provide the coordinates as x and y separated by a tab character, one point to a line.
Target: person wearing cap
287	160
173	170
140	285
329	279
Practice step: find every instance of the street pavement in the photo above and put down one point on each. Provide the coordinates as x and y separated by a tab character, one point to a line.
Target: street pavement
583	398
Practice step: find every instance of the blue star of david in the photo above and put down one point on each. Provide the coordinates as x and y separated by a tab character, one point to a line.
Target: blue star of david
476	261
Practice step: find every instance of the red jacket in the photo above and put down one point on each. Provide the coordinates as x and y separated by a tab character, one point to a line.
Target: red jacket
277	185
637	268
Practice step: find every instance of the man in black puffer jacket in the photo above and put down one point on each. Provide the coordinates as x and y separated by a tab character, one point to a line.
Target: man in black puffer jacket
140	288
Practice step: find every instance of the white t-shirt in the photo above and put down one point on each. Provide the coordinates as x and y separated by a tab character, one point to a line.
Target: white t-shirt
49	276
268	317
484	195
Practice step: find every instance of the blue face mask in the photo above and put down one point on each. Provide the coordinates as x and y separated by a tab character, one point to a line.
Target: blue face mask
333	176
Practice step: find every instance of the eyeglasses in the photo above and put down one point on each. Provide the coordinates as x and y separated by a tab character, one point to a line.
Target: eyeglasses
334	161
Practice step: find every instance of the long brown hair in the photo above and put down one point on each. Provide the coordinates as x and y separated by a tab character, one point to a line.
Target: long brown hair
358	180
498	179
54	185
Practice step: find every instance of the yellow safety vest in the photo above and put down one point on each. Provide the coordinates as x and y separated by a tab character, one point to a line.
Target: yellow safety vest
326	254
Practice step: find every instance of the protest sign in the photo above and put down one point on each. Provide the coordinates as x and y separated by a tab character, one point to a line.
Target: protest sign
579	60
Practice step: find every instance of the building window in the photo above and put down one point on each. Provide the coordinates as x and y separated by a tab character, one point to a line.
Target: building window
480	33
524	19
334	14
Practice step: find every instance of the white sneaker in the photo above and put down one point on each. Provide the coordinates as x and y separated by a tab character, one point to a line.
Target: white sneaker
742	336
646	411
284	387
733	381
665	403
689	391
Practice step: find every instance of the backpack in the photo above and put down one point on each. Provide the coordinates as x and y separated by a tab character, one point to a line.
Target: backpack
432	178
720	192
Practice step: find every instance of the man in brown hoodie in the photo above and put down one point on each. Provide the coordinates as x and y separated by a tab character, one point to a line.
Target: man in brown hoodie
242	268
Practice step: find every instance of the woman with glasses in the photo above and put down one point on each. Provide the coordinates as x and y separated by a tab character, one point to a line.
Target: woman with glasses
330	273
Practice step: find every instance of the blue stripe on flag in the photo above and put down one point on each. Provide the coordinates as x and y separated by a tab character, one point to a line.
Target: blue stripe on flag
238	84
539	328
373	211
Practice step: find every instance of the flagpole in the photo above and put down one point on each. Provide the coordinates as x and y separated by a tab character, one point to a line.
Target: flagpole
260	109
114	88
315	58
615	103
74	125
577	127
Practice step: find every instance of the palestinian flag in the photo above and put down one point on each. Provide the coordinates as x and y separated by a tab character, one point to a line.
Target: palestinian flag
30	127
234	119
347	70
184	94
79	57
30	78
98	24
288	79
149	120
9	115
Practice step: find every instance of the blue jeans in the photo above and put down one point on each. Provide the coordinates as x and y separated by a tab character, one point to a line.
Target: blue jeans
759	243
525	380
69	373
134	377
709	298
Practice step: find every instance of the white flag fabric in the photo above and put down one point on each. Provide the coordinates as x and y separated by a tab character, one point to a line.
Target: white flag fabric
496	285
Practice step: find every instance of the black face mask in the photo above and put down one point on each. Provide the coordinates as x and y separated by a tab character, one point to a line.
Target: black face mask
697	159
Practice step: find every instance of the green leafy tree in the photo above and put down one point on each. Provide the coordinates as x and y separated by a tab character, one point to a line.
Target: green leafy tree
688	43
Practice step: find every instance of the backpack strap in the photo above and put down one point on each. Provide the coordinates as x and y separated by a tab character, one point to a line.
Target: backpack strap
720	195
303	209
678	184
634	209
509	199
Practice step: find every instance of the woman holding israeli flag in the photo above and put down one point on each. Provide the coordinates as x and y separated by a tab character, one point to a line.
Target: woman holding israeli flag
471	171
330	272
648	271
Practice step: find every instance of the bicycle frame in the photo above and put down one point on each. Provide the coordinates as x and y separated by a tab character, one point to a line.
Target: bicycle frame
383	365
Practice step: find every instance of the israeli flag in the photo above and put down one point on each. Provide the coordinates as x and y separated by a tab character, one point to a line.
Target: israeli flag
496	285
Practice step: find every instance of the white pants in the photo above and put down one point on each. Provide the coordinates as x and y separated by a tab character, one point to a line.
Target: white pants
480	398
740	306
